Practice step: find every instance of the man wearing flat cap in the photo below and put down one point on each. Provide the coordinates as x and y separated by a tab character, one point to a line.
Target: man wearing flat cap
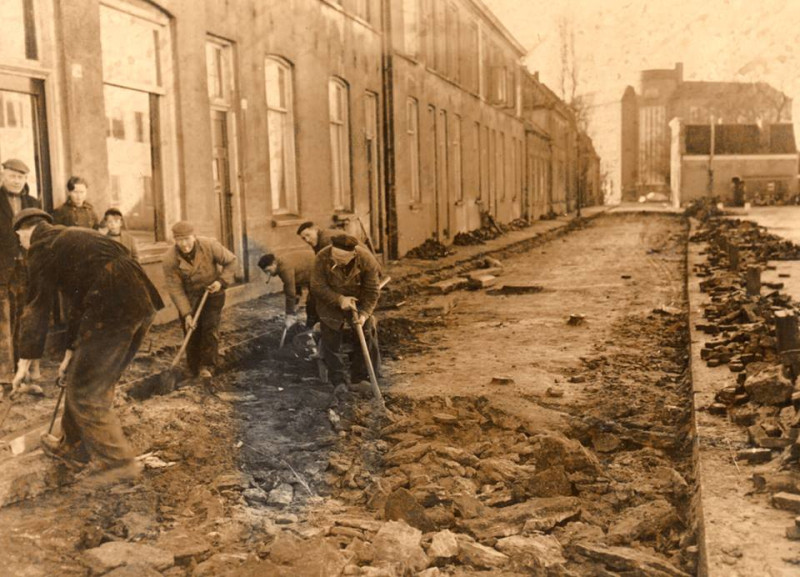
14	197
194	265
345	278
112	304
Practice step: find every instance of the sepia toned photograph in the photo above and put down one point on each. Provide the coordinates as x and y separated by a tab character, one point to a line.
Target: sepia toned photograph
399	288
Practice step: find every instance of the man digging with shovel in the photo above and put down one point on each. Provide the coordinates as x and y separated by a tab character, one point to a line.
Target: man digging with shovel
345	281
112	304
196	265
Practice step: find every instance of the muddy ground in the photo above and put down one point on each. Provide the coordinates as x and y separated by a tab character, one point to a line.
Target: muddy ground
517	443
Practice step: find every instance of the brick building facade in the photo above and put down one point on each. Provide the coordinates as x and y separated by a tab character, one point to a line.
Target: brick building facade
403	119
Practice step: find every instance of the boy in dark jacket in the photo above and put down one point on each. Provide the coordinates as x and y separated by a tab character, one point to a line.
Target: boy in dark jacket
76	211
114	224
294	270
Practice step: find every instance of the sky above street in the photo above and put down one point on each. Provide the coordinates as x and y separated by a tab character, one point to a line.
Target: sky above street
718	40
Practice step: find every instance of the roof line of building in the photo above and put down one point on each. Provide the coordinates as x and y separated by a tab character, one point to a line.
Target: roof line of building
495	21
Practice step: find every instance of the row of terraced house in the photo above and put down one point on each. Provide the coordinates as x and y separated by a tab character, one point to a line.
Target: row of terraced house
403	119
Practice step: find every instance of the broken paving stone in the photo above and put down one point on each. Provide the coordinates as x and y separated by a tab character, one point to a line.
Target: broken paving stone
255	495
397	542
184	547
285	519
138	526
793	533
448	285
630	560
481	281
754	455
538	514
645	521
516	289
541	553
551	482
502	380
769	386
446	418
554	392
401	505
604	442
787	501
362	551
444	545
481	556
281	495
468	506
575	320
114	554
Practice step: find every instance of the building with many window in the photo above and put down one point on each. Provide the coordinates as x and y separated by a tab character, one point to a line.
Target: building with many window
399	120
457	132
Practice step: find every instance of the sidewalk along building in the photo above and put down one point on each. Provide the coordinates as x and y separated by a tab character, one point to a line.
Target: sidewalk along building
400	120
245	118
707	159
457	132
664	95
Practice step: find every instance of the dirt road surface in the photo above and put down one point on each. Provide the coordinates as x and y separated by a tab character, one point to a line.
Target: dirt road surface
519	442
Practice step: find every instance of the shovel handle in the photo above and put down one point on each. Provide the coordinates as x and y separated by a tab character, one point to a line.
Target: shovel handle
61	388
190	332
376	391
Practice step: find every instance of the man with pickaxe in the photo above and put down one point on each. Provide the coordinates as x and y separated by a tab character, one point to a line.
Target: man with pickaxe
196	265
112	304
345	281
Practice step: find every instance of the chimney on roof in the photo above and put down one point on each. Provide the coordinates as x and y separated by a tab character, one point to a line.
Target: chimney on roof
679	72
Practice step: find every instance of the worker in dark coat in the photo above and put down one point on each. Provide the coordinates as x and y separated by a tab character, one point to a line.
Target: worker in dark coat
14	197
194	265
112	304
76	211
345	278
294	269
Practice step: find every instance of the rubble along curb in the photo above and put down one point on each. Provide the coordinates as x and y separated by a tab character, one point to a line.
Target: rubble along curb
726	518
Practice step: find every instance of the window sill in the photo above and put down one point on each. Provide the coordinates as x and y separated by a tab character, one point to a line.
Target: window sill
281	220
153	252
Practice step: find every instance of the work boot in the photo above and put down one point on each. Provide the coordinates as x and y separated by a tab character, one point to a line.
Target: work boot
56	448
101	474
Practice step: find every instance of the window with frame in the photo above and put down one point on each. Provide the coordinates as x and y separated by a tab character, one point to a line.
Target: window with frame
439	9
280	130
412	134
457	182
135	46
501	164
339	108
470	56
411	36
428	31
451	34
18	42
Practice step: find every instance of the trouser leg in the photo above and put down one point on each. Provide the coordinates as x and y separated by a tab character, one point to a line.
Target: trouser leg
97	364
331	353
208	331
311	311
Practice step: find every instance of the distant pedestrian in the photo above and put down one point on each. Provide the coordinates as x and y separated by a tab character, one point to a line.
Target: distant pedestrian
294	269
76	211
192	266
112	303
114	225
345	279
